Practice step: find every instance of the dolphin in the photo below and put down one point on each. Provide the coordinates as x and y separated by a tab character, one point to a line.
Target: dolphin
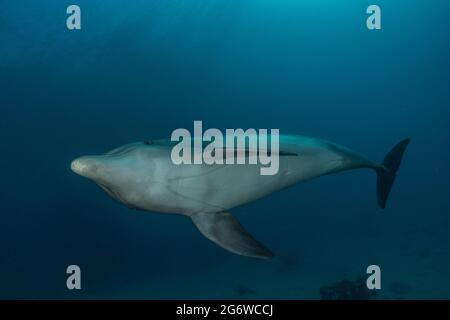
142	176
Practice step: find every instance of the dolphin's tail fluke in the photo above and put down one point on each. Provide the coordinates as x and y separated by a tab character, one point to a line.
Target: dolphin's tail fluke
387	171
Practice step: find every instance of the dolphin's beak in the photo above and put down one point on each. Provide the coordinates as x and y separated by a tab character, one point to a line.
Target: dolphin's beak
85	166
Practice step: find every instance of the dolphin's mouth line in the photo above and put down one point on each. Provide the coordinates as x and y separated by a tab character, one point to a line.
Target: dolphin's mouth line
115	195
111	192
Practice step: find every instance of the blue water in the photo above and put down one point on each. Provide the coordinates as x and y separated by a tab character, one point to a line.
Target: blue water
140	69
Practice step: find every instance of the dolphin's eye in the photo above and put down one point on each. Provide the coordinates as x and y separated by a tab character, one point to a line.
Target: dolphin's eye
148	142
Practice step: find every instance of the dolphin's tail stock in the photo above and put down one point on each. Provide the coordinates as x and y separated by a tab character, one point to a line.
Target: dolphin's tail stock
387	171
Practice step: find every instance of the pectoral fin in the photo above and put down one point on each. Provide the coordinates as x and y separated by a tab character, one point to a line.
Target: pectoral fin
226	231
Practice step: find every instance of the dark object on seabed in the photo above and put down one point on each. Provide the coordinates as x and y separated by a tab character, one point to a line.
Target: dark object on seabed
242	290
347	290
